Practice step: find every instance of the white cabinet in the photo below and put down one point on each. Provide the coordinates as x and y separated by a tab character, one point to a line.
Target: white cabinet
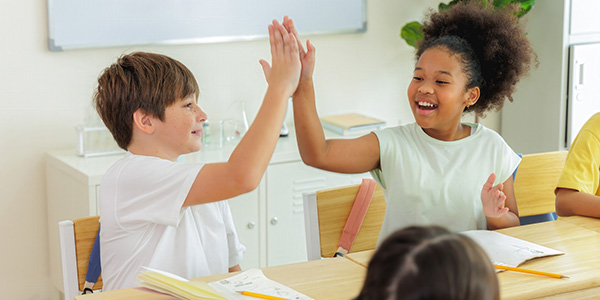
269	220
286	241
539	118
584	21
245	210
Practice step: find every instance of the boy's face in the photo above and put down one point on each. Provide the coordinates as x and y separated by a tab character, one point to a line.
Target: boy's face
181	130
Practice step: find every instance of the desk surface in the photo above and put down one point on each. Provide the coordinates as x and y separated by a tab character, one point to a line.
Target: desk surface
580	262
327	279
585	222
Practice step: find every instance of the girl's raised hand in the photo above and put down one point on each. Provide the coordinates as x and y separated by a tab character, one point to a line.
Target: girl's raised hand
307	57
285	72
492	198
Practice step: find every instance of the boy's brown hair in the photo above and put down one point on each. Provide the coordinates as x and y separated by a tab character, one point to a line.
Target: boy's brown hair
139	80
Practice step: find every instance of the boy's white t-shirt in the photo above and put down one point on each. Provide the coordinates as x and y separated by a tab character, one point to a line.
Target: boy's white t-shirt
432	182
143	223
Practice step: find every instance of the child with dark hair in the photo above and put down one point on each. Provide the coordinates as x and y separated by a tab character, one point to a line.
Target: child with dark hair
156	212
429	263
438	170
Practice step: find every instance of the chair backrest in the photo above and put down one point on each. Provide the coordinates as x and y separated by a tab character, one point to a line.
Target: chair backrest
76	242
536	180
325	214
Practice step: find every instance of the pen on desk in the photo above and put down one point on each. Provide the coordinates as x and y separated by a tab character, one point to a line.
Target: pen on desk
530	271
261	296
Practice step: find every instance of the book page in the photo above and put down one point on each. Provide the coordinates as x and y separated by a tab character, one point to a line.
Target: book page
254	280
507	250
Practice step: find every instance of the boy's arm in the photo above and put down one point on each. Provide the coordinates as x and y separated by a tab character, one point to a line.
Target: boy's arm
338	155
499	204
572	202
248	162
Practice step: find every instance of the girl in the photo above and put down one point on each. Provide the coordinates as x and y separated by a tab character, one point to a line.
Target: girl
430	263
438	170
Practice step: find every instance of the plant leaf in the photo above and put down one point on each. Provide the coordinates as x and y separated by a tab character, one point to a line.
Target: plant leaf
411	33
526	6
501	3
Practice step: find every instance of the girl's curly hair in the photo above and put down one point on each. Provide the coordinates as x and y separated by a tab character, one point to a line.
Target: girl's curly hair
493	49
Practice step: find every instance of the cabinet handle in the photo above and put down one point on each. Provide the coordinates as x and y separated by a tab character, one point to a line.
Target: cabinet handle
251	224
274	221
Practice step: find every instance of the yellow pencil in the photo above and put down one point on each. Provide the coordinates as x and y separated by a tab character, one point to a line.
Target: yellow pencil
261	296
530	271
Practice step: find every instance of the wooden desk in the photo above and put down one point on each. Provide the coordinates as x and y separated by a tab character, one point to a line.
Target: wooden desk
326	279
585	222
581	261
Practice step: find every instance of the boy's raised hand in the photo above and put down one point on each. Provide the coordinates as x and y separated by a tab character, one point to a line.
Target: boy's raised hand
493	199
285	72
307	57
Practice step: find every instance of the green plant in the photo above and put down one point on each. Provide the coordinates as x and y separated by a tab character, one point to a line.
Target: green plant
412	34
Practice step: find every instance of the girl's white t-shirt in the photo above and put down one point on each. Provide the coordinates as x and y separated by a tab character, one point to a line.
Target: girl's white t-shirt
432	182
143	223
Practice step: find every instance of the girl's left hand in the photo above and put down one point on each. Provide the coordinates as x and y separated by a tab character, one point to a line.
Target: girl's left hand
493	198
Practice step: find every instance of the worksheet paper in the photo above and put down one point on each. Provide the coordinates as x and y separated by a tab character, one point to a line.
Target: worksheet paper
507	250
253	280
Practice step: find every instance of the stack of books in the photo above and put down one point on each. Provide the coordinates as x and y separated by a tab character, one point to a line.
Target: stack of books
351	124
243	286
179	287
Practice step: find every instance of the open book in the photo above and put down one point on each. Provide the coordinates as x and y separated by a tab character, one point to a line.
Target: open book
507	250
252	280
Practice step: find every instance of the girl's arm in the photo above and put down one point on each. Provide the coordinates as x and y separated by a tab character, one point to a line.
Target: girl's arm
499	204
337	155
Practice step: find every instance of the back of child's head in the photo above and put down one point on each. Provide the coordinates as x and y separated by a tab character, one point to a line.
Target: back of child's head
429	263
490	44
147	81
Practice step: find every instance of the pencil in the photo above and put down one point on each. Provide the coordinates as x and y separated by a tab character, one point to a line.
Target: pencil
530	271
261	296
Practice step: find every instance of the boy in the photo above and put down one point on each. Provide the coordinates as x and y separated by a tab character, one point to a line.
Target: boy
166	215
578	189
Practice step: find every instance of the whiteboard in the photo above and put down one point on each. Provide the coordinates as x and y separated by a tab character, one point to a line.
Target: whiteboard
74	24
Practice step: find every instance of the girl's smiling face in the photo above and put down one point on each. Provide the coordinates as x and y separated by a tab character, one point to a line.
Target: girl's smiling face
438	94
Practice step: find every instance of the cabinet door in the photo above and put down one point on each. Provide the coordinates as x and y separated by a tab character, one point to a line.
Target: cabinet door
584	17
245	211
286	240
584	88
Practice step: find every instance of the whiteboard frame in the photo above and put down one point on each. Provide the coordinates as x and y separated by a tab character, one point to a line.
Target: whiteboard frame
55	33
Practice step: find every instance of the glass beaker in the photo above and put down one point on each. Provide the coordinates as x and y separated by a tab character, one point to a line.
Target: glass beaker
235	126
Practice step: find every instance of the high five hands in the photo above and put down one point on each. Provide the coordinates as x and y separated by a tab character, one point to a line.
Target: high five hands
493	199
285	58
307	57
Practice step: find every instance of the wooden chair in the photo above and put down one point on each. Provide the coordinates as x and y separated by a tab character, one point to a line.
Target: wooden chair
535	181
76	242
325	214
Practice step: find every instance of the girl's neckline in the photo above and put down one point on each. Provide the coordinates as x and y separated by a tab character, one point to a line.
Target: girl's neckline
474	128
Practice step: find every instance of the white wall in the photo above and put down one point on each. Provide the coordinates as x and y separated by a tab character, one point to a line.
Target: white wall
44	95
